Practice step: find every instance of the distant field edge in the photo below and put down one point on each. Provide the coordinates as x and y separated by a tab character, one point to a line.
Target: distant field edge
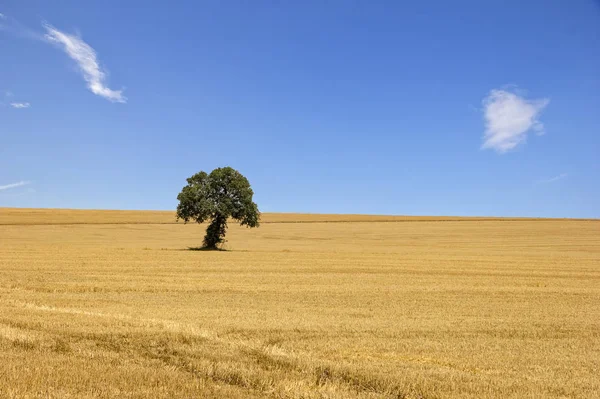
55	216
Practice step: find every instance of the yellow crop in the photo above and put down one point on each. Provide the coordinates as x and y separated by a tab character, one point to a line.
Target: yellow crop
113	304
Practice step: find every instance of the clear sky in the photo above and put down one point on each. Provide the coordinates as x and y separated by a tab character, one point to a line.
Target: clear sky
382	107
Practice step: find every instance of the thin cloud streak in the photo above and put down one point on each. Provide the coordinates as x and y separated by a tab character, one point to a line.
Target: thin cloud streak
508	118
14	185
553	179
85	57
20	105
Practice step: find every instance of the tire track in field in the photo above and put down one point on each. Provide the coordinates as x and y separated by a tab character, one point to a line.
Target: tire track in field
254	359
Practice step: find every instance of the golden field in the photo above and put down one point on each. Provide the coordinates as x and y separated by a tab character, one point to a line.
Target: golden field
113	304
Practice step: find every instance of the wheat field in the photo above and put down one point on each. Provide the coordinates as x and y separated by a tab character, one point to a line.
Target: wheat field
107	304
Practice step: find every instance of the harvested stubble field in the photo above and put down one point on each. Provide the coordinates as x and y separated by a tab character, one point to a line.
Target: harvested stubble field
113	304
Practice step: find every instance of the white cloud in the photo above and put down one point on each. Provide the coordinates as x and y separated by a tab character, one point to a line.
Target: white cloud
553	179
20	105
13	185
85	57
2	16
508	119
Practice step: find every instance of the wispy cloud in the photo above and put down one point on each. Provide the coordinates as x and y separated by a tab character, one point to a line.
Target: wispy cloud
508	118
5	101
553	179
13	27
20	105
14	185
87	61
74	46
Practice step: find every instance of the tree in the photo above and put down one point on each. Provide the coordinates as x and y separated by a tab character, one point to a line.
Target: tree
222	194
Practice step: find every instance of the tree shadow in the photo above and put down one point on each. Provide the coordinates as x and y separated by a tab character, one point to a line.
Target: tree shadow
205	249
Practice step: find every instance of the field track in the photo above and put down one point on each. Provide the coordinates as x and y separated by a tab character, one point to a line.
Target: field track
26	216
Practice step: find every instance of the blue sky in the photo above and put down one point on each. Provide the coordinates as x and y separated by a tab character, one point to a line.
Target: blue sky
382	107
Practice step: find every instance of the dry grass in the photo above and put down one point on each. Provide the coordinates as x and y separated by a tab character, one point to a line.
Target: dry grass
369	307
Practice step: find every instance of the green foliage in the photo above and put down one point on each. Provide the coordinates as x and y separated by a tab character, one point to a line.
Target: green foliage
224	193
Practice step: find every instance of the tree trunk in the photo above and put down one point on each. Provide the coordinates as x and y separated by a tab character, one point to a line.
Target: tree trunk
215	232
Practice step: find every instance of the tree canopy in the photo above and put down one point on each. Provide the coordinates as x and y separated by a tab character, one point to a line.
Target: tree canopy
224	193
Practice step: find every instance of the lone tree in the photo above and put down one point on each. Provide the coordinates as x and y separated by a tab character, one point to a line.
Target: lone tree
222	194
